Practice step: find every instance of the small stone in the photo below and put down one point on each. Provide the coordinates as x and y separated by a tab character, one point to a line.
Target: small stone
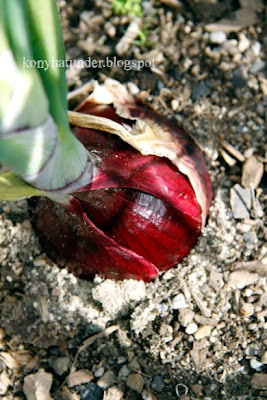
240	200
79	377
239	78
264	358
218	37
191	328
26	224
110	29
199	357
197	389
243	43
113	393
124	371
108	379
134	364
158	384
135	382
252	172
259	381
255	364
175	104
240	279
60	365
99	372
4	382
90	391
38	385
200	89
178	302
39	263
202	332
247	309
185	316
248	292
256	48
250	237
257	66
216	280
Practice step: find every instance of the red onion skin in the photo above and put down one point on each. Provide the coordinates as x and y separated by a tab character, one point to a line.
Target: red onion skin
137	217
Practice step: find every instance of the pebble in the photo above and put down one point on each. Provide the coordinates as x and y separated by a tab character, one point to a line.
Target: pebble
202	332
60	365
216	280
135	382
107	379
264	358
200	89
239	78
178	302
259	381
114	393
191	328
197	389
185	316
218	37
243	43
255	364
79	377
158	383
90	391
257	66
39	263
256	48
240	279
240	200
247	309
38	385
252	172
124	371
99	372
4	382
134	364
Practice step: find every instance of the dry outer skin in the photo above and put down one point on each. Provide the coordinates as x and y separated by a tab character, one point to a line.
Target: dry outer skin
47	314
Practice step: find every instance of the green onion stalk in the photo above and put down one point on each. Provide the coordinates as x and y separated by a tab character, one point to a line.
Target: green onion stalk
36	143
134	209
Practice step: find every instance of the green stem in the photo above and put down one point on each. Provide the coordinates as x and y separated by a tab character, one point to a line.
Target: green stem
35	138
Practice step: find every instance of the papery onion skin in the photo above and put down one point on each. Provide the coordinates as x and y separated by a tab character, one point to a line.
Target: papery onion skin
137	217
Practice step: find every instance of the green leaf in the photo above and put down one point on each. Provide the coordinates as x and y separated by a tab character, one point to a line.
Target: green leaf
13	188
47	45
23	101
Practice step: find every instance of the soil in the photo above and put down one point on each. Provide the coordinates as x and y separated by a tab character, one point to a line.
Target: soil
199	330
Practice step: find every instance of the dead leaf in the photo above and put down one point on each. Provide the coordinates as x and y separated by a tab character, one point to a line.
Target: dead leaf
9	360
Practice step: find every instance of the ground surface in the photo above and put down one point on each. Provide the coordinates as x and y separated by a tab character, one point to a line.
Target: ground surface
202	325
